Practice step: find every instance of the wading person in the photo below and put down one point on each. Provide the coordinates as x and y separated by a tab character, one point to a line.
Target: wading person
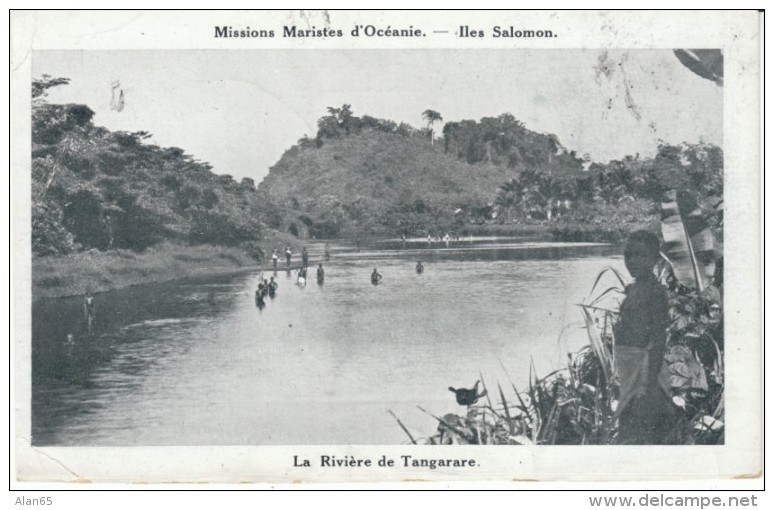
288	254
320	274
644	408
301	277
376	277
420	268
266	289
273	287
259	302
274	258
88	309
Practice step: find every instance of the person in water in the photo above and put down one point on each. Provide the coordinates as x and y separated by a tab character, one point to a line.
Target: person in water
301	277
376	277
320	274
420	267
88	310
266	289
272	287
259	302
88	306
645	411
274	258
305	257
288	254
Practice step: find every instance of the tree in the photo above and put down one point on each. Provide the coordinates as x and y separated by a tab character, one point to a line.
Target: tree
510	196
83	218
431	116
548	195
40	86
346	118
343	117
247	183
450	136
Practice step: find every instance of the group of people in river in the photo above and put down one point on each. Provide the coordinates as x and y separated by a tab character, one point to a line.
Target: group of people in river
446	238
289	256
265	288
268	288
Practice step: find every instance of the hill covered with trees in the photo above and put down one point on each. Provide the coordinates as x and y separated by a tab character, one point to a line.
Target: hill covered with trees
362	175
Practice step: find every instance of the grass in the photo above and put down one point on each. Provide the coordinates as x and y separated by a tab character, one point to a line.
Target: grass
73	274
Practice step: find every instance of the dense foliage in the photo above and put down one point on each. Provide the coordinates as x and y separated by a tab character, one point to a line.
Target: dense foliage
362	174
93	188
97	189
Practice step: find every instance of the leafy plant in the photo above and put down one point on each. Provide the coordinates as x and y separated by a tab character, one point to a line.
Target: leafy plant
689	244
577	405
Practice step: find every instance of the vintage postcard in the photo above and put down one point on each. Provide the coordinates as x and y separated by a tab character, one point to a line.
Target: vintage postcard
345	246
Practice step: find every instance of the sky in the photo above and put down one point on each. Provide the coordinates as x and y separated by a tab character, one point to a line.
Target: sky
240	110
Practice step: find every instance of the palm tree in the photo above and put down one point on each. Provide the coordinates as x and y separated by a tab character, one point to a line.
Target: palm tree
548	194
510	195
431	116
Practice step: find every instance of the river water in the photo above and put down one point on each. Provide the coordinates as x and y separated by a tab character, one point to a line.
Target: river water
195	362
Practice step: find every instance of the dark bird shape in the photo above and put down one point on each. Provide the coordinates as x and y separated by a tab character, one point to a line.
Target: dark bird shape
467	397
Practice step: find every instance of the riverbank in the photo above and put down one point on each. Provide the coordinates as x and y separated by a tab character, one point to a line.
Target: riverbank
563	231
537	231
73	274
608	225
547	231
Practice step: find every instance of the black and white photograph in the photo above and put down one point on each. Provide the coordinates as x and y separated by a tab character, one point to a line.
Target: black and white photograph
291	242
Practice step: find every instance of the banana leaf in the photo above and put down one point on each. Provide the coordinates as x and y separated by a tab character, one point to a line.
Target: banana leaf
690	246
707	63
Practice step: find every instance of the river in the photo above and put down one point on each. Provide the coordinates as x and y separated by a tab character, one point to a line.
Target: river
195	362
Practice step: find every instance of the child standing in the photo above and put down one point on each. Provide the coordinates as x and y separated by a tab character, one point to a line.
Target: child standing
644	408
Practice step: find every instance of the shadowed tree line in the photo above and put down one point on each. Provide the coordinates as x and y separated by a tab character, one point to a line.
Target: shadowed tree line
97	189
618	184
